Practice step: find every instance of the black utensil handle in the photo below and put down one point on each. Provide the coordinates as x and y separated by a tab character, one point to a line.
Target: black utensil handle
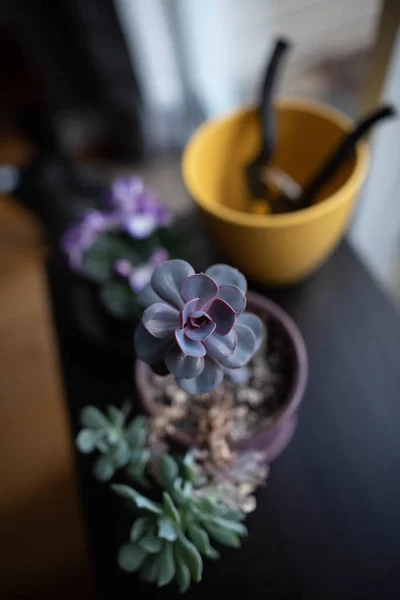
342	152
267	108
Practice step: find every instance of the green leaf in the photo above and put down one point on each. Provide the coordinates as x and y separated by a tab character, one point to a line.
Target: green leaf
92	417
118	298
99	259
189	467
104	468
135	468
139	527
223	536
199	538
116	416
138	499
151	543
177	492
166	565
213	554
149	570
120	453
86	440
167	529
136	433
170	508
238	528
188	554
131	557
168	470
182	576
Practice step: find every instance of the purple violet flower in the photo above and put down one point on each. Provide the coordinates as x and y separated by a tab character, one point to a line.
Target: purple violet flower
132	208
196	325
140	275
139	209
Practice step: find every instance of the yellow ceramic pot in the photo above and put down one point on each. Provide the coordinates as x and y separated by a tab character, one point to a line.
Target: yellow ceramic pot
282	248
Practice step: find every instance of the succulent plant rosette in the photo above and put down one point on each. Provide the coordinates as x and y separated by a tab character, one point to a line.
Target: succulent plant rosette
118	246
187	505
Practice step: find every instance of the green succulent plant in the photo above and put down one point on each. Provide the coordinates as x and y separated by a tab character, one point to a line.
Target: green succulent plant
169	540
121	445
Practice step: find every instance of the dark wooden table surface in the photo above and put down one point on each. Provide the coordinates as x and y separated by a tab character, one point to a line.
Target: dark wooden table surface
327	525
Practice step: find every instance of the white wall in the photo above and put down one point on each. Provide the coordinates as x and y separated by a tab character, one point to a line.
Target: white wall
376	230
227	41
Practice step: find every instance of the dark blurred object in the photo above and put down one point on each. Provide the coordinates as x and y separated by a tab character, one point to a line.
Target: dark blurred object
71	56
257	186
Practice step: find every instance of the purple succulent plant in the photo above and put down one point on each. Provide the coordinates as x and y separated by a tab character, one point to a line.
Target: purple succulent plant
195	324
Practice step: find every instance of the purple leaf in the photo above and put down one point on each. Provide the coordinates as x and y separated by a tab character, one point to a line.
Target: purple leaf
210	377
149	348
245	348
167	280
160	320
189	347
224	274
223	316
199	286
201	333
181	365
233	296
187	310
221	346
255	324
147	296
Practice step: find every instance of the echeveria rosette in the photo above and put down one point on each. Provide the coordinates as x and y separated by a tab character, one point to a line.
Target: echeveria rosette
195	324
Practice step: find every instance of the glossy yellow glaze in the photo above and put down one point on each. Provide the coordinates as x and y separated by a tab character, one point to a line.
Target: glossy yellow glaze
283	248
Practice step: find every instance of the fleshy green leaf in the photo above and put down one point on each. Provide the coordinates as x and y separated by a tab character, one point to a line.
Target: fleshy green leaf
238	528
223	536
92	417
182	576
104	468
166	565
136	466
168	470
86	440
170	508
213	554
116	416
167	529
136	433
199	538
139	527
151	543
189	555
120	453
131	557
138	499
149	570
